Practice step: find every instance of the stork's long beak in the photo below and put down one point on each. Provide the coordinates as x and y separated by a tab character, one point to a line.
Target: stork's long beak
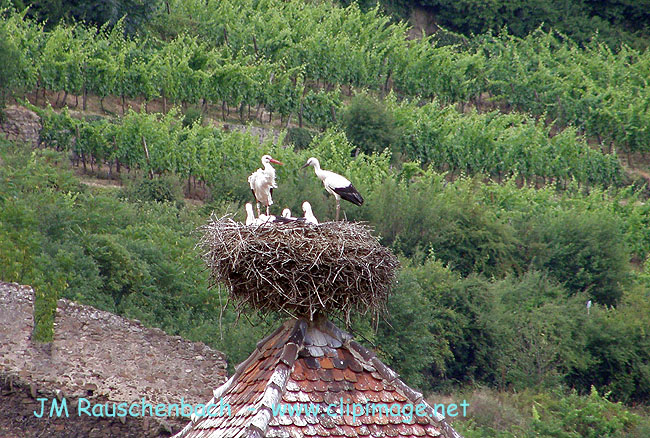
305	165
274	161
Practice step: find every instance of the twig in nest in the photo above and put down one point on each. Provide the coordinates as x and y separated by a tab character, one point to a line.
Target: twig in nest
298	268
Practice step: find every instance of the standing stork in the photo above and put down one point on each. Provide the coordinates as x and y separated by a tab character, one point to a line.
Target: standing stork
262	183
336	184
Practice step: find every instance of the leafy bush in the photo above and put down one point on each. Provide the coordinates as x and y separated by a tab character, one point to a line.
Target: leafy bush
617	344
592	416
369	125
414	342
159	189
579	19
452	342
545	414
300	138
192	116
582	250
454	225
121	272
541	341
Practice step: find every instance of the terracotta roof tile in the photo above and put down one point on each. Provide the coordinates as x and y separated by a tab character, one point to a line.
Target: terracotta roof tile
326	375
317	365
312	363
350	375
326	363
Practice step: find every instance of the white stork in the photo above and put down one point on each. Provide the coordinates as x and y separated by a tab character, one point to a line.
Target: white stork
286	214
309	215
262	183
336	184
250	216
268	219
263	219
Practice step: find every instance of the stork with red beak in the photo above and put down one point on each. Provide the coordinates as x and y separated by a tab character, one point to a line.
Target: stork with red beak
262	183
336	184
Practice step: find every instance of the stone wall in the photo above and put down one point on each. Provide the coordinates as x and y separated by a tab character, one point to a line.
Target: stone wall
102	358
257	131
19	123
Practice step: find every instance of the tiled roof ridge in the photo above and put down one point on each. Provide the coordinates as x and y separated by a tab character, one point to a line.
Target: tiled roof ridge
299	337
370	360
362	353
278	381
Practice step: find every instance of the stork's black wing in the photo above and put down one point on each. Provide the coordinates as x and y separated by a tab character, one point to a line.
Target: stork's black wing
350	194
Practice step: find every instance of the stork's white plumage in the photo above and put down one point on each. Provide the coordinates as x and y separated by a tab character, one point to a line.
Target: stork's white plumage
286	213
336	184
262	183
270	219
250	216
309	215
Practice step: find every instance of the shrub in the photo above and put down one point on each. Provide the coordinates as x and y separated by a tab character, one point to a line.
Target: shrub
300	138
369	125
459	229
582	250
542	339
452	341
159	189
617	344
121	271
192	116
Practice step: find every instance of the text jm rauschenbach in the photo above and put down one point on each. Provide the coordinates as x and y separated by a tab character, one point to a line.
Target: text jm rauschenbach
142	409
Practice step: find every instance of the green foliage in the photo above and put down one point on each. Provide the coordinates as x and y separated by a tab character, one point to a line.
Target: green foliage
159	189
542	339
499	145
583	251
369	125
615	20
120	271
136	13
9	65
617	343
452	341
546	414
460	231
550	76
300	138
575	416
595	89
192	115
414	342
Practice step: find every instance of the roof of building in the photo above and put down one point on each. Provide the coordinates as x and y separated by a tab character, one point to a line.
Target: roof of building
314	364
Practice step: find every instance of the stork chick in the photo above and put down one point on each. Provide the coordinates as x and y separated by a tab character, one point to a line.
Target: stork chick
309	215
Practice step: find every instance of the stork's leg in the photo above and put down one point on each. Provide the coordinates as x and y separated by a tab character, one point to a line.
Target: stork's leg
267	210
258	209
338	209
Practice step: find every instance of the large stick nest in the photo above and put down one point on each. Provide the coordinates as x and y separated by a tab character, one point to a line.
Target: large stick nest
298	268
